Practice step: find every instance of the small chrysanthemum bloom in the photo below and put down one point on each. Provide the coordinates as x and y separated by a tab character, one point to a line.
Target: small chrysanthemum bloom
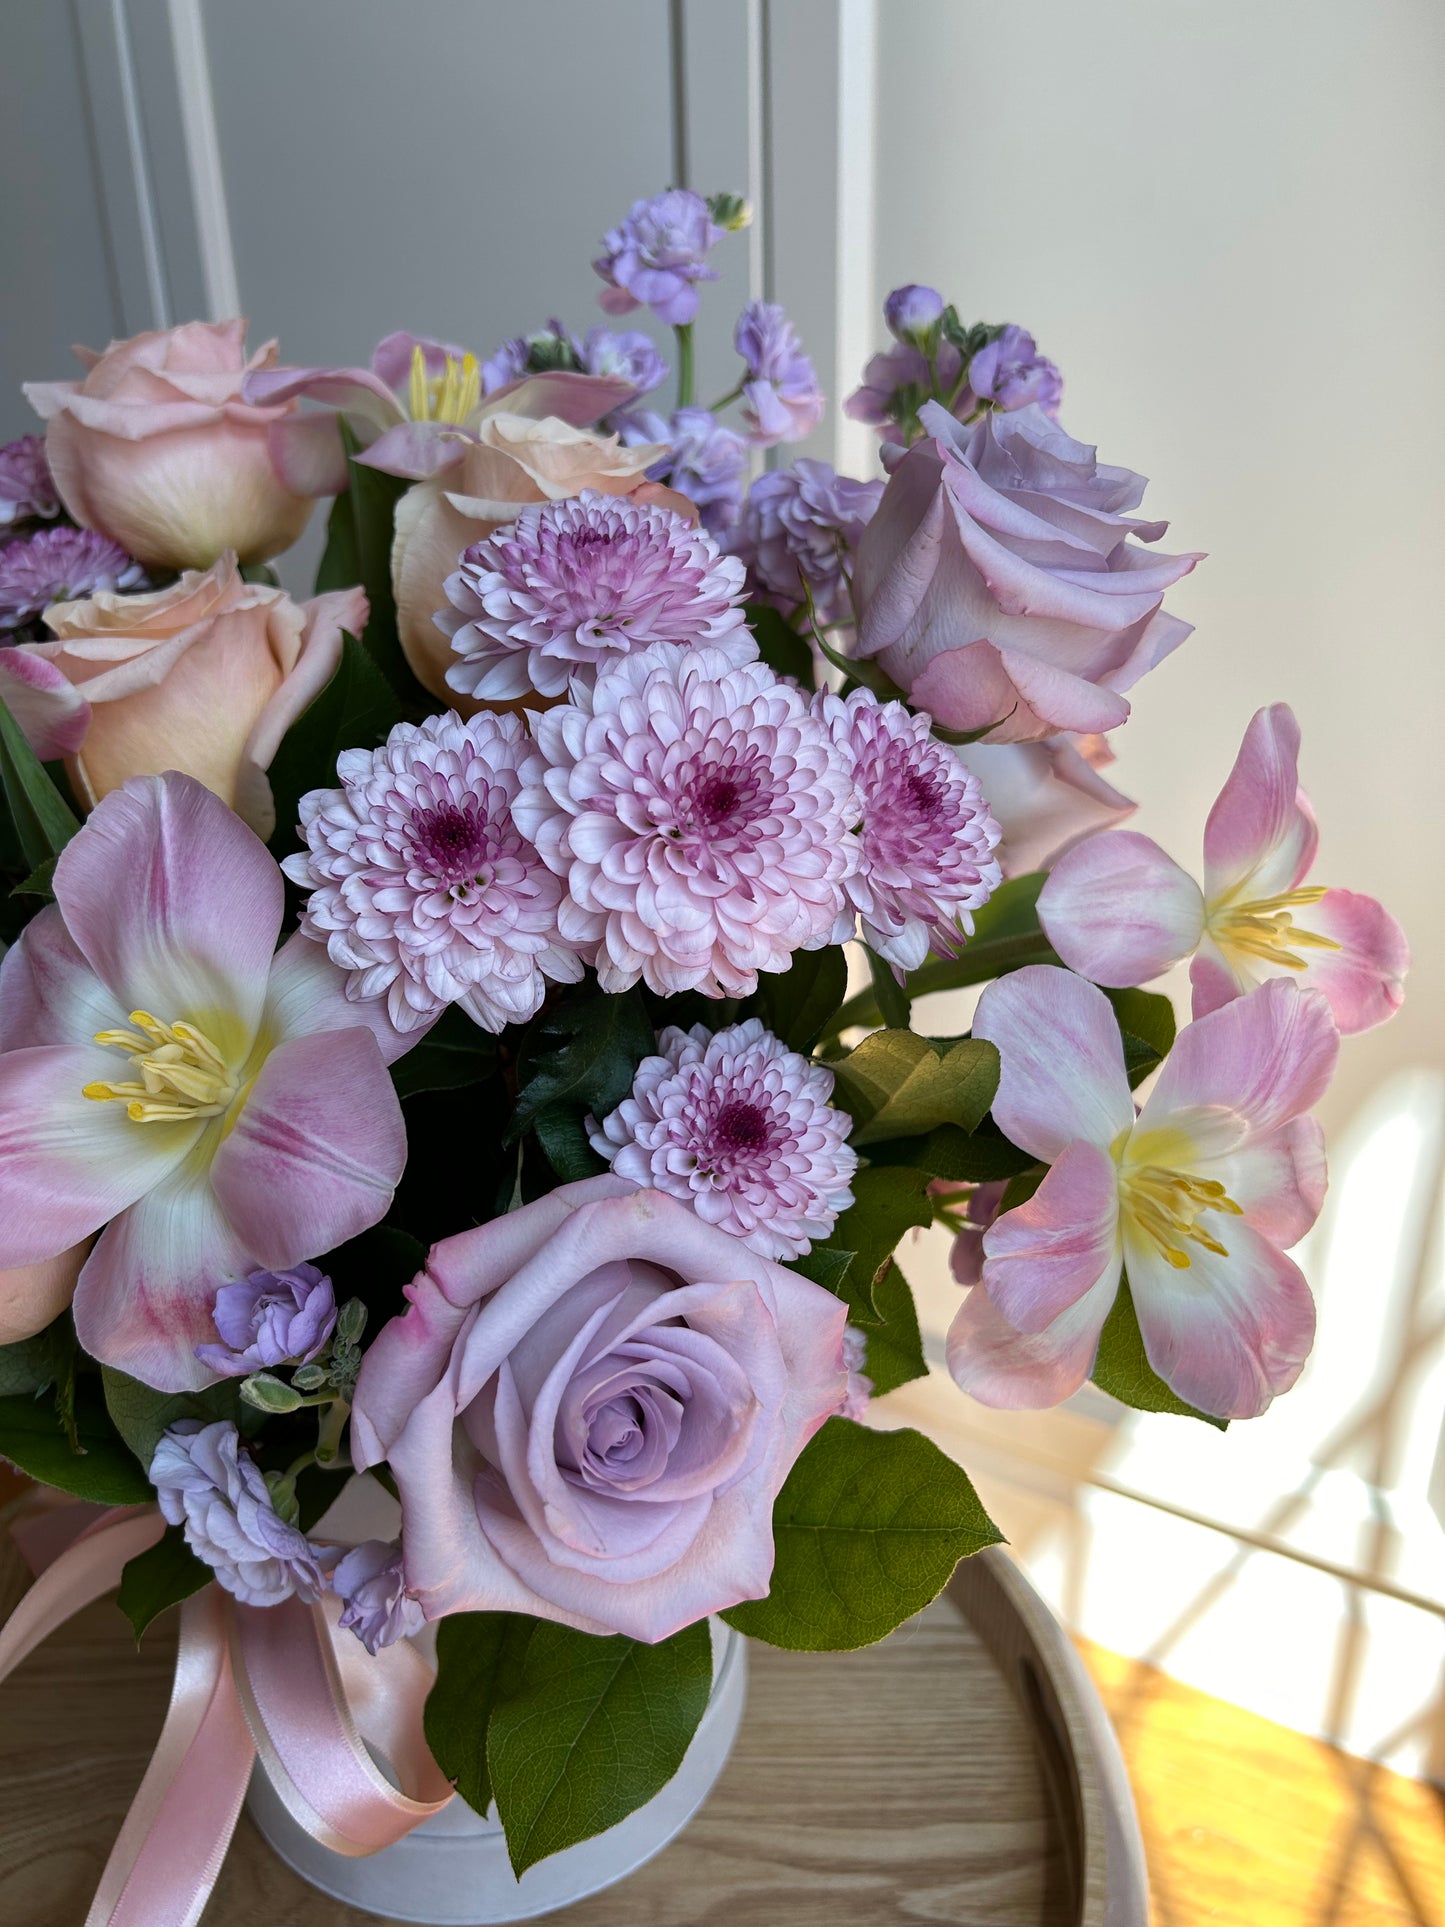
574	584
27	488
62	565
217	1106
699	814
422	885
1194	1199
1120	911
926	840
739	1127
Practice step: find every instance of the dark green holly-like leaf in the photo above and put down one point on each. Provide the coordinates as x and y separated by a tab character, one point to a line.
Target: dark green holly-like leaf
33	1437
593	1730
163	1576
34	1364
1122	1368
888	1200
797	1003
42	820
983	1156
896	1084
479	1660
354	711
454	1053
868	1528
140	1414
562	1135
895	1348
781	647
374	1266
581	1054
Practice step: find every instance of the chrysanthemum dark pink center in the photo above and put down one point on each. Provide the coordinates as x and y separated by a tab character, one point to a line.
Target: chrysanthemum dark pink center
453	841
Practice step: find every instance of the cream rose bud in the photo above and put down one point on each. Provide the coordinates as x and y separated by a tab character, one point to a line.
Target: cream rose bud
589	1409
513	461
155	448
205	677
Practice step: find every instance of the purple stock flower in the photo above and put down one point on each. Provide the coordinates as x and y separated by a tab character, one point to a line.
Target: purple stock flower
799	523
505	365
628	354
781	399
739	1127
706	462
574	584
656	257
898	382
27	488
860	1386
378	1608
269	1318
1010	372
206	1483
913	313
62	564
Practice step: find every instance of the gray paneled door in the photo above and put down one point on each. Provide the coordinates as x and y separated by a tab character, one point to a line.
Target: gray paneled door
336	169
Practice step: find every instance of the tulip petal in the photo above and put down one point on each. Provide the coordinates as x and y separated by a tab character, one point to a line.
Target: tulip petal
355	392
1214	980
33	1295
1061	1072
317	1149
51	712
48	992
1231	1332
1119	911
308	994
147	1291
1267	1056
175	904
1016	1371
1260	827
1045	1255
1364	980
67	1162
416	450
1279	1181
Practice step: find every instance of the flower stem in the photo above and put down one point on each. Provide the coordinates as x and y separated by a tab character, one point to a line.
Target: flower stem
981	960
725	401
891	998
328	1439
684	364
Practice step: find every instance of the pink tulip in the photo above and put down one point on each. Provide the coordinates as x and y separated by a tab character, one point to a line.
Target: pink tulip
157	448
216	1107
205	677
1194	1198
1120	911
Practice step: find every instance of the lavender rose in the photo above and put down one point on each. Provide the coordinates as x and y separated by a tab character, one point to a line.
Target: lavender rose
269	1318
999	585
205	1482
376	1605
589	1409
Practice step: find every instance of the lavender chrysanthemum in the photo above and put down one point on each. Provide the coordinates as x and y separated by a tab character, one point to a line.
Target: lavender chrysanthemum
657	256
206	1482
781	400
60	565
27	488
574	584
377	1607
803	523
423	886
927	839
699	812
739	1127
706	462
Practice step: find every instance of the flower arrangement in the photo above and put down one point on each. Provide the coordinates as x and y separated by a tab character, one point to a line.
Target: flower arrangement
463	1028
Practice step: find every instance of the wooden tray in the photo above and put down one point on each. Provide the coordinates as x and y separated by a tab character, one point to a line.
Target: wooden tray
961	1771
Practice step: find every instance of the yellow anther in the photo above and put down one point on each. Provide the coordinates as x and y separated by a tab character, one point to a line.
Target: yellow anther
1166	1206
182	1075
448	397
1263	927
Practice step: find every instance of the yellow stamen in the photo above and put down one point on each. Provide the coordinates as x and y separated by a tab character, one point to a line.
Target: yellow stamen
448	397
1166	1206
1264	929
182	1075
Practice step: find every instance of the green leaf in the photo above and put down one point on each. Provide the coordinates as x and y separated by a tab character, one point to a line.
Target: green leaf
888	1200
1021	1188
479	1659
593	1730
978	1157
894	1004
34	1364
162	1576
43	820
1122	1368
40	882
374	1266
895	1348
454	1053
868	1528
562	1135
1146	1027
582	1054
140	1414
32	1436
896	1084
358	549
354	711
824	1265
797	1004
781	647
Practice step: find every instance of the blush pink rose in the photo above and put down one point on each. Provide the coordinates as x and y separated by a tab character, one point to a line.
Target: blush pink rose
205	677
155	447
589	1409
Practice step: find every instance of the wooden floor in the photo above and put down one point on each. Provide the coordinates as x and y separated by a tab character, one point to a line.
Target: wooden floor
1251	1825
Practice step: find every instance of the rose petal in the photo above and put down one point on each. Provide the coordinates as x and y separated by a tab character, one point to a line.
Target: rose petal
35	1294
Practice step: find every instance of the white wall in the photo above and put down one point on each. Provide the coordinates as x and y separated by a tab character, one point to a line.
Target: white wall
1224	221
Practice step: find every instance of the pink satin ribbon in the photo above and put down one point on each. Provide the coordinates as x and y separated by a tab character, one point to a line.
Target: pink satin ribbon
279	1681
